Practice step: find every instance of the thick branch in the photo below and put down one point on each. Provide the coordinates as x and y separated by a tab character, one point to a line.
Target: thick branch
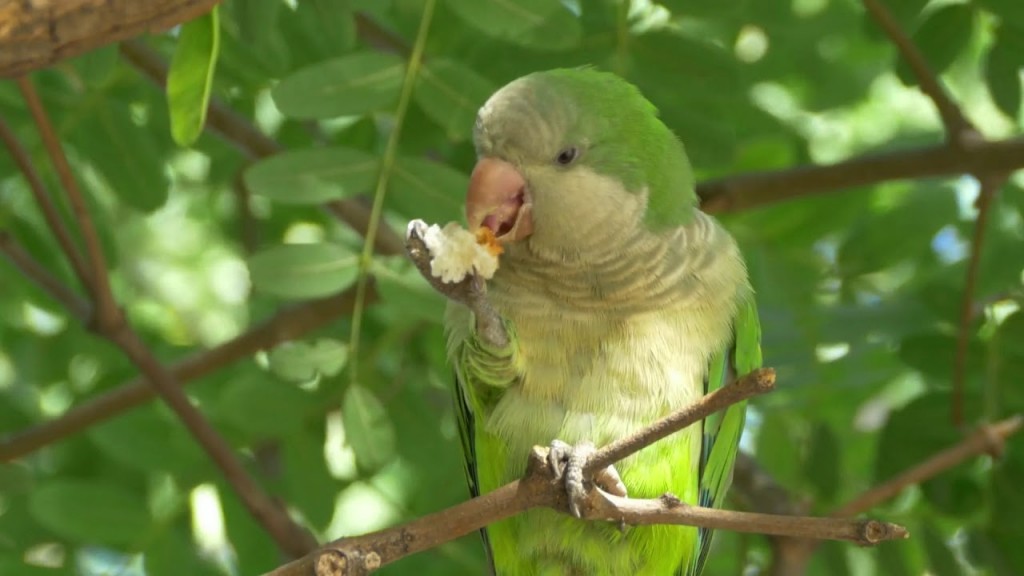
42	32
756	189
286	325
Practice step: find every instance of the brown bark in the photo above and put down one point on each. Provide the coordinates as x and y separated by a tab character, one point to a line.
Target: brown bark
38	33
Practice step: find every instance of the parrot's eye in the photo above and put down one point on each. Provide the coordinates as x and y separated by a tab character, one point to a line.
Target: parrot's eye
567	156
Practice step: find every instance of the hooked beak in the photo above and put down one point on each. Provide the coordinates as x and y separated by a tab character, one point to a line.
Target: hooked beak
498	199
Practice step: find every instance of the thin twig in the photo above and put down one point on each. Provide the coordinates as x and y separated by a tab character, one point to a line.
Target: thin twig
37	273
670	510
988	438
757	382
42	197
107	314
988	189
957	126
387	162
286	325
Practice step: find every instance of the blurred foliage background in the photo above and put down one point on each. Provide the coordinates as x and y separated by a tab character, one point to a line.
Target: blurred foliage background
859	289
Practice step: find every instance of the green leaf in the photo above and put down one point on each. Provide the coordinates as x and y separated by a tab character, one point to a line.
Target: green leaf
347	86
1003	67
98	66
302	271
823	462
1010	12
408	295
91	512
505	19
173	553
367	428
308	482
918	431
312	176
301	361
897	234
451	94
932	353
264	407
147	440
423	189
940	556
126	155
942	36
190	78
259	30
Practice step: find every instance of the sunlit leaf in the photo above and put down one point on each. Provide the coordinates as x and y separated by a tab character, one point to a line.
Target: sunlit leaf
423	189
303	270
368	430
451	94
1003	69
347	86
91	511
312	176
301	361
190	78
942	36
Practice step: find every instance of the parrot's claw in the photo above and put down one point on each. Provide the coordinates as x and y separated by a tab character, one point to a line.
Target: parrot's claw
568	462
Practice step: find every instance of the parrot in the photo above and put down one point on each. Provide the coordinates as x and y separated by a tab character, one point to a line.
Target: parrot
622	303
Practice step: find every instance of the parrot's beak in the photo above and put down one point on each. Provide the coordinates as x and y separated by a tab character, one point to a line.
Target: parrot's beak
498	199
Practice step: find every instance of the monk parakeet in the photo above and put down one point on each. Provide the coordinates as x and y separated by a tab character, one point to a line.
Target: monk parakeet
622	302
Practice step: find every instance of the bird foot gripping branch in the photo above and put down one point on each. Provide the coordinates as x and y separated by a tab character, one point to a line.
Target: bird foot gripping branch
568	463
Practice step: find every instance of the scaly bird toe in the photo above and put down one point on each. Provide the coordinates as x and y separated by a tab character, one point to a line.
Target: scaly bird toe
568	462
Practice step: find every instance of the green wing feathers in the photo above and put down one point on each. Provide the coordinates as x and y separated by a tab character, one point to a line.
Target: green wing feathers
722	432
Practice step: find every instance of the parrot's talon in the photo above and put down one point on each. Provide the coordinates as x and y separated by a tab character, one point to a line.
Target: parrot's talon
567	463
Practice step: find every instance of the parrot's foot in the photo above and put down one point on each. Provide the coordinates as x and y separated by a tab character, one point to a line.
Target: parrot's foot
568	462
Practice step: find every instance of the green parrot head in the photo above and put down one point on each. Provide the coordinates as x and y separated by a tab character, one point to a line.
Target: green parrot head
567	153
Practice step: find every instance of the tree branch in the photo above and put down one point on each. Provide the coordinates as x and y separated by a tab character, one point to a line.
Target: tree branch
289	536
792	555
755	383
957	126
961	135
38	34
756	189
286	325
42	197
35	272
110	324
107	314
